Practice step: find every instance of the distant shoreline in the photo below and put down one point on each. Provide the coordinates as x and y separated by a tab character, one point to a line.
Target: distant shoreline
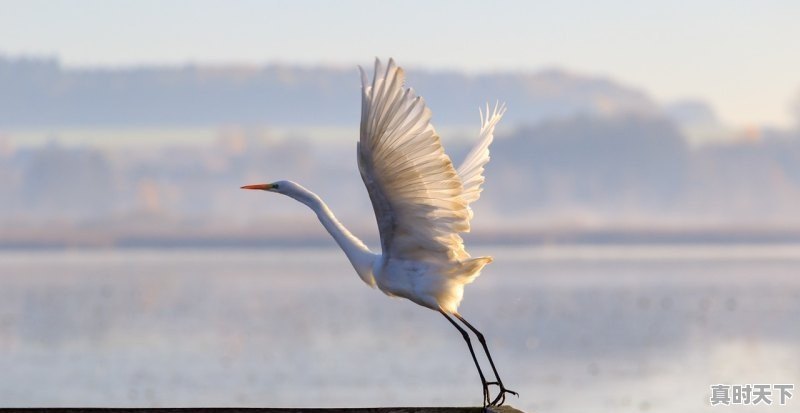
599	237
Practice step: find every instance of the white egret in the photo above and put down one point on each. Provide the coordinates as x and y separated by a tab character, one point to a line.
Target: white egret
421	202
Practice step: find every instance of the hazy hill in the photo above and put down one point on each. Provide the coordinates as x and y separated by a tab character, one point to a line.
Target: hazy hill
573	152
41	92
609	165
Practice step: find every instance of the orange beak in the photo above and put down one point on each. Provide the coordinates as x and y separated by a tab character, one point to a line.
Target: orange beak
263	187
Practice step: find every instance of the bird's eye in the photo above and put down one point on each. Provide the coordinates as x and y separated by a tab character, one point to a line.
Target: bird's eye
275	186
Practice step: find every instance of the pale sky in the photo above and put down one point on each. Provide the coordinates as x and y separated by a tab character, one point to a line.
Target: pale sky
742	57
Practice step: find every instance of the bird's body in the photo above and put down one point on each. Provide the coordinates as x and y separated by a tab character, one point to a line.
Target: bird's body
419	198
421	203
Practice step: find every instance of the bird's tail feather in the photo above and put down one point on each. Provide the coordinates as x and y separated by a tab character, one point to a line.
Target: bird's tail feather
472	267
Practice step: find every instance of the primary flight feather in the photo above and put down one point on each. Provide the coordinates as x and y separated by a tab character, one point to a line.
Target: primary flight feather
421	203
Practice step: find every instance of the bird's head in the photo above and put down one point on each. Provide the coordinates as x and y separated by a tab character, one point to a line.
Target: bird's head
288	188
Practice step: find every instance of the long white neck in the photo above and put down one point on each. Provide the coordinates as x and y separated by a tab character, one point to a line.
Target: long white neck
359	255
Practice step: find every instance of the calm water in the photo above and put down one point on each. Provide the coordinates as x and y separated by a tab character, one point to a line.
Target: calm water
573	329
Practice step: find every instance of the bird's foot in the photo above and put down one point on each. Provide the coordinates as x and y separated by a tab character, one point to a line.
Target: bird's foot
501	397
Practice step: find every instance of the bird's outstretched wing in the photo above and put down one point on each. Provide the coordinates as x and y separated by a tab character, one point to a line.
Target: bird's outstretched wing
471	169
415	190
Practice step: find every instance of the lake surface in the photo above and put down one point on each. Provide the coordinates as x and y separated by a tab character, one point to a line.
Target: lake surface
573	329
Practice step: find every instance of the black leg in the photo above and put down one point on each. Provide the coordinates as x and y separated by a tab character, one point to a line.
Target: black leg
500	399
475	359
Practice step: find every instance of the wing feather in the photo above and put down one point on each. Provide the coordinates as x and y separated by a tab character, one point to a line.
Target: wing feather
415	190
472	168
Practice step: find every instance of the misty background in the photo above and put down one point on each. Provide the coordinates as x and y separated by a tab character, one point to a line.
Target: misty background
145	154
641	202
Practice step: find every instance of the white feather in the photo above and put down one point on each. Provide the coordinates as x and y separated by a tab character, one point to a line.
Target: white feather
421	202
414	188
472	168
